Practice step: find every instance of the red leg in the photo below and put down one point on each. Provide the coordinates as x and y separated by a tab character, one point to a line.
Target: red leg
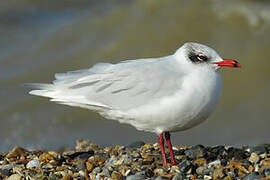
161	143
168	139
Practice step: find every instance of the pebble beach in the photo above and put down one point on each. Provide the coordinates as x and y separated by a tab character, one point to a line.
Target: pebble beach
136	161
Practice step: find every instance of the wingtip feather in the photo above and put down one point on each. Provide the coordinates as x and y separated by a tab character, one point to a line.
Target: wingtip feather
41	86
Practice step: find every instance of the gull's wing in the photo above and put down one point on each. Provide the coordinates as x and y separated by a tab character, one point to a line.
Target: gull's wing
122	86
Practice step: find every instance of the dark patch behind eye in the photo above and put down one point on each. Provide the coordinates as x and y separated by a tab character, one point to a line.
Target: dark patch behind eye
194	58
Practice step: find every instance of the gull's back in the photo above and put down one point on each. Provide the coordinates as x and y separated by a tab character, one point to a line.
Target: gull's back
122	86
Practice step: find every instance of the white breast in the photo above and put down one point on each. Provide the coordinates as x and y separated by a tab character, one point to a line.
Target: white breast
188	107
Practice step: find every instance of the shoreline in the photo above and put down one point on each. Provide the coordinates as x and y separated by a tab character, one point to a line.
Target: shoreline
137	161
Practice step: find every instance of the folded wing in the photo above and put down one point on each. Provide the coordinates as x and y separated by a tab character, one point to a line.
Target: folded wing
122	86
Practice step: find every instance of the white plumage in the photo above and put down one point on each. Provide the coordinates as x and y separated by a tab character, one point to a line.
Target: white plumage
156	94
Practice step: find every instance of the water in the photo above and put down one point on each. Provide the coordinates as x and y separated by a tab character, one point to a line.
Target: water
39	39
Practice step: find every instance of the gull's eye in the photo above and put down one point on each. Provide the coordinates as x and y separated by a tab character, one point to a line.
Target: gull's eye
202	57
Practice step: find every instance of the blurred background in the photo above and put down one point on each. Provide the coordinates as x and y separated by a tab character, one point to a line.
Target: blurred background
41	38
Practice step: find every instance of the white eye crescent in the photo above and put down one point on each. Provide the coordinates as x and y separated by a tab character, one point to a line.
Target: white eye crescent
202	57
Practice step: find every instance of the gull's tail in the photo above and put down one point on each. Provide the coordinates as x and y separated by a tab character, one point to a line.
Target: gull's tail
60	95
42	89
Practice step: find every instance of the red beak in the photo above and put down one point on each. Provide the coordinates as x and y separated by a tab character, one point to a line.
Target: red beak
229	63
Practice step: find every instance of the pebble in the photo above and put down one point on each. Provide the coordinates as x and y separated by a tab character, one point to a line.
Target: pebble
200	162
252	176
85	155
201	170
254	158
148	161
205	177
6	169
184	166
237	154
137	176
158	171
259	149
81	166
216	152
116	175
136	144
215	164
5	172
96	170
195	152
14	177
16	152
137	161
105	173
178	176
209	171
33	164
218	173
161	178
81	173
266	172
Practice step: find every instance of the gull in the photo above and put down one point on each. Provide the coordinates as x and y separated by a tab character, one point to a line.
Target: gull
159	95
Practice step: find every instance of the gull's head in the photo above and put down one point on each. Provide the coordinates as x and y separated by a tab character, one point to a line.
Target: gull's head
201	55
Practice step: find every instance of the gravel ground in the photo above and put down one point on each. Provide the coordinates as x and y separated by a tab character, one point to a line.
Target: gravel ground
137	161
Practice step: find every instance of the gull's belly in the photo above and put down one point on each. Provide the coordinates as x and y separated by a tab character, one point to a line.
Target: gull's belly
185	109
202	97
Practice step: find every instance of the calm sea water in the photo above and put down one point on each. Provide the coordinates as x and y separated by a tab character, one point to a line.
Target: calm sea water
39	39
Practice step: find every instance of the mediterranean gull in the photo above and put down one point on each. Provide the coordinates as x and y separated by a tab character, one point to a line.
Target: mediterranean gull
159	95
